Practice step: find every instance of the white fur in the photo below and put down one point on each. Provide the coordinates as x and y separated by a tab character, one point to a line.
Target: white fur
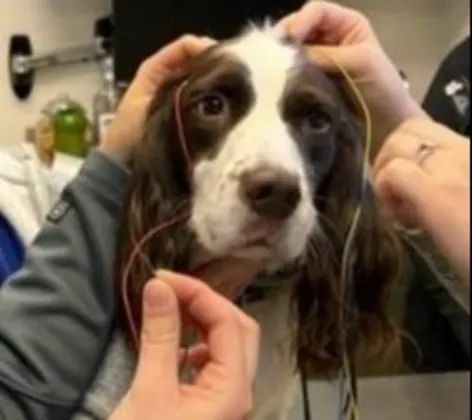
277	377
220	218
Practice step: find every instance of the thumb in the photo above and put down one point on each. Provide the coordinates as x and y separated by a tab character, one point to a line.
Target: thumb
157	371
403	188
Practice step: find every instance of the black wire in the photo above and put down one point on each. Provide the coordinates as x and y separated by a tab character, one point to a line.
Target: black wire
348	336
305	395
351	337
353	378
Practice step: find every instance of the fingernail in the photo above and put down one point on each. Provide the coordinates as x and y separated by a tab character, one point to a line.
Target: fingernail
158	297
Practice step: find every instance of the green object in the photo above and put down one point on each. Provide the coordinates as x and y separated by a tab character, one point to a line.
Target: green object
71	126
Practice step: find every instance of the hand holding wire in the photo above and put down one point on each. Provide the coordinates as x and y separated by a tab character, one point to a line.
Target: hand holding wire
224	362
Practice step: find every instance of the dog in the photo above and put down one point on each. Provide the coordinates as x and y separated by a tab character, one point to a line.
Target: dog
264	154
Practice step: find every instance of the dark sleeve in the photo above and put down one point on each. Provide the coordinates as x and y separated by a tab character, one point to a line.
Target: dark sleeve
437	103
56	312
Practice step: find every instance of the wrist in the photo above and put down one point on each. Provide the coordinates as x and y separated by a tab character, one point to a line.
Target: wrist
392	101
118	142
409	109
398	109
115	154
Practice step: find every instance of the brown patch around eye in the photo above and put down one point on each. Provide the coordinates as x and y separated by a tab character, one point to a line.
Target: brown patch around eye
313	120
218	95
316	120
212	105
307	114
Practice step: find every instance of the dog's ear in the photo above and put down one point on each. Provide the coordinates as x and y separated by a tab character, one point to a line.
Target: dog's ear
351	102
164	95
376	266
158	193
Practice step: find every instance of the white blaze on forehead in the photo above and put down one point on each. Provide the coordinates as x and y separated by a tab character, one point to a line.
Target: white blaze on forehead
262	133
264	53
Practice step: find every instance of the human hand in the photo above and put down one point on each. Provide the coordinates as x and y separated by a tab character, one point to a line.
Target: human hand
429	185
126	129
343	36
226	361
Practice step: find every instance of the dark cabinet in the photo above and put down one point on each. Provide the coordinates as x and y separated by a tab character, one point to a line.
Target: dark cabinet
143	26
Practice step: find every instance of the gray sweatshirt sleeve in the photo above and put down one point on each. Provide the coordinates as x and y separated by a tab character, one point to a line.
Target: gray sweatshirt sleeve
56	313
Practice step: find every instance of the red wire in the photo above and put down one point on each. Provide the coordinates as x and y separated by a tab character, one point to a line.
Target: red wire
129	265
149	235
180	125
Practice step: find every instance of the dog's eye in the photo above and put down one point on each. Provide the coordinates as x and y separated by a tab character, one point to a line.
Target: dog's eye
212	105
318	120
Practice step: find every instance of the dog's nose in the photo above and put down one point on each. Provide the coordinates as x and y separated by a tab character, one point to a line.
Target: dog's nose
270	192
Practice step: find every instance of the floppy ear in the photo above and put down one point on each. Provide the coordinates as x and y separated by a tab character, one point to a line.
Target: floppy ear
352	106
158	193
376	266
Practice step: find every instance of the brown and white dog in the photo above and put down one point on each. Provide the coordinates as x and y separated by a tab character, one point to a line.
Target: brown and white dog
277	158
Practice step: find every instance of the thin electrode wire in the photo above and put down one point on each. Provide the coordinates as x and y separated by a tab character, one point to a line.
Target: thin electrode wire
180	127
341	394
351	236
149	235
126	274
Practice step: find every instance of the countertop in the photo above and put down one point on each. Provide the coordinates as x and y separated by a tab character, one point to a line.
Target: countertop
416	397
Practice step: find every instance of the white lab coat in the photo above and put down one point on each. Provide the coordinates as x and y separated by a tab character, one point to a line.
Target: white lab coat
28	189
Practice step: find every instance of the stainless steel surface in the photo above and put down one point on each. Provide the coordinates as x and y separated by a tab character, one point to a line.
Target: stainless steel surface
417	397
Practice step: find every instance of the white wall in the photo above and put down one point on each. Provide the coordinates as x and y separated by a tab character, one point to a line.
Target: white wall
417	33
51	24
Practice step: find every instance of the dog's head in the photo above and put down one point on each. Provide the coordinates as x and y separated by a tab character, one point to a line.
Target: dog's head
275	174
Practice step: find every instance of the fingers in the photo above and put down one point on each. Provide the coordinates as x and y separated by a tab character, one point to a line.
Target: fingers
285	25
252	333
230	276
176	54
397	146
199	355
318	18
331	59
216	316
306	22
403	143
170	58
157	371
403	189
229	332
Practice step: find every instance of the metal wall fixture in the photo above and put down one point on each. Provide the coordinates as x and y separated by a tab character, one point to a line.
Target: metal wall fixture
23	63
